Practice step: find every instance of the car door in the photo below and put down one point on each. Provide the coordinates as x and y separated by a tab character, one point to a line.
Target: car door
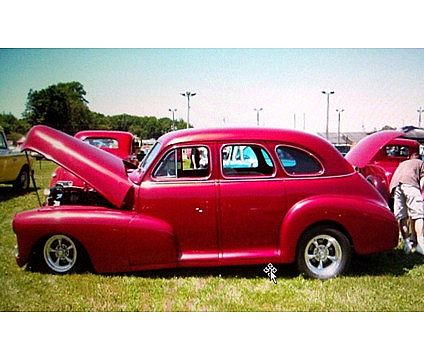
251	204
181	191
9	164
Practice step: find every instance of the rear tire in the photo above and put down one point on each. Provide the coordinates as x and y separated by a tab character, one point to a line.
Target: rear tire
323	253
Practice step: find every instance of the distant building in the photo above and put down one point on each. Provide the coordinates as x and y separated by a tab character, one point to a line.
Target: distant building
346	138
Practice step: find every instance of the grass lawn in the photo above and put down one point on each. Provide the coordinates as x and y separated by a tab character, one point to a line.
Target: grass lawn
391	281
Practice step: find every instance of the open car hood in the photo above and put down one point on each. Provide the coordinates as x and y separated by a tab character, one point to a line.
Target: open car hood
102	171
362	153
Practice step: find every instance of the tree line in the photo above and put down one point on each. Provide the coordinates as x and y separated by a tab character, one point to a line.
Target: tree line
63	106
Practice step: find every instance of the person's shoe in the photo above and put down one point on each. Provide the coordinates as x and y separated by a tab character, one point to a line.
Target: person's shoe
408	246
419	249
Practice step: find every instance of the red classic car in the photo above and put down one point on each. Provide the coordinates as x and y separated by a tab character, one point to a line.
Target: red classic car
119	143
299	201
378	155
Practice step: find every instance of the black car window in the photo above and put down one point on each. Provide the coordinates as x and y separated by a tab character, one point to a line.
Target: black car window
298	162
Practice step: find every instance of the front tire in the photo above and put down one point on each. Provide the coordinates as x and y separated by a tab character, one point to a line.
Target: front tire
60	254
323	253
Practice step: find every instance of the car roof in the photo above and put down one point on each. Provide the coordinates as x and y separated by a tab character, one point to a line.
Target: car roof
236	134
333	161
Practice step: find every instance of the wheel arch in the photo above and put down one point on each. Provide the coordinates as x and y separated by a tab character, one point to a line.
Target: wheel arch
36	252
307	214
327	223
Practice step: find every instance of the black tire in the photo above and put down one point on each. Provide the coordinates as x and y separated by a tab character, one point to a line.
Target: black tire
323	253
22	181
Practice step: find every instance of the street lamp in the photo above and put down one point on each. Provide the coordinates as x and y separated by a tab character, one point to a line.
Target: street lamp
188	94
338	127
419	117
173	118
328	109
257	114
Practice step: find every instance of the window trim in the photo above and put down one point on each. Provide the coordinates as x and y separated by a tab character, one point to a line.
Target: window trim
176	178
246	177
321	172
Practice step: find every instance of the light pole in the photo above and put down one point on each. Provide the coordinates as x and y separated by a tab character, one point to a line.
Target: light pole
328	110
419	116
338	126
188	94
257	115
173	118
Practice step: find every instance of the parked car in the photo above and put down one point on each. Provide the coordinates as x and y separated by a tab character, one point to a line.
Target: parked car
119	143
14	168
315	211
378	155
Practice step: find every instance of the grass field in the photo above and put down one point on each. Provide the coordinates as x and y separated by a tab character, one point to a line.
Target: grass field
391	281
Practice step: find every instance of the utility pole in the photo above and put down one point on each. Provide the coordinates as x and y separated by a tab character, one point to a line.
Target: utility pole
188	94
257	115
338	126
173	118
328	110
419	116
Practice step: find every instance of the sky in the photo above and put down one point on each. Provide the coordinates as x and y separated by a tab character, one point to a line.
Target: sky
375	86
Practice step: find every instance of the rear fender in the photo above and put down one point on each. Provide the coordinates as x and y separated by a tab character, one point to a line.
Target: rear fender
370	226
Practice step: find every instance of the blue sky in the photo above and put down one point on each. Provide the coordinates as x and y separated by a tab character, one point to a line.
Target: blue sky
375	87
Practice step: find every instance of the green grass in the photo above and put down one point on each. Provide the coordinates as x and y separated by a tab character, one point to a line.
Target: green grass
391	281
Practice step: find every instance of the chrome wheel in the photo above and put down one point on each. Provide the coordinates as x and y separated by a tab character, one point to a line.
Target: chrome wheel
323	253
60	253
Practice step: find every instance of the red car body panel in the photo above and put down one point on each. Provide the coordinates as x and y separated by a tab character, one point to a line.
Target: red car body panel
215	220
101	170
123	149
124	141
363	152
373	162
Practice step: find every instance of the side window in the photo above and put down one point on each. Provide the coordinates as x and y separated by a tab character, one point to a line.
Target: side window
241	160
2	142
298	162
187	162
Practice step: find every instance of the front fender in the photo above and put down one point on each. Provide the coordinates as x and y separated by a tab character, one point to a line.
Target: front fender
115	240
151	243
101	231
370	226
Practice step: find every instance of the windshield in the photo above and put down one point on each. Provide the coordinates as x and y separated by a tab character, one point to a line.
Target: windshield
150	156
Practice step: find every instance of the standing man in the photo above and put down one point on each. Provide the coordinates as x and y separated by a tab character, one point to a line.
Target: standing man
407	183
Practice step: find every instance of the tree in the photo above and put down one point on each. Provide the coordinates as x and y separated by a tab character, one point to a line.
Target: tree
64	107
61	106
13	127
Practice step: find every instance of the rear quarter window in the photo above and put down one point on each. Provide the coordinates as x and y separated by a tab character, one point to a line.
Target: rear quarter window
298	162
